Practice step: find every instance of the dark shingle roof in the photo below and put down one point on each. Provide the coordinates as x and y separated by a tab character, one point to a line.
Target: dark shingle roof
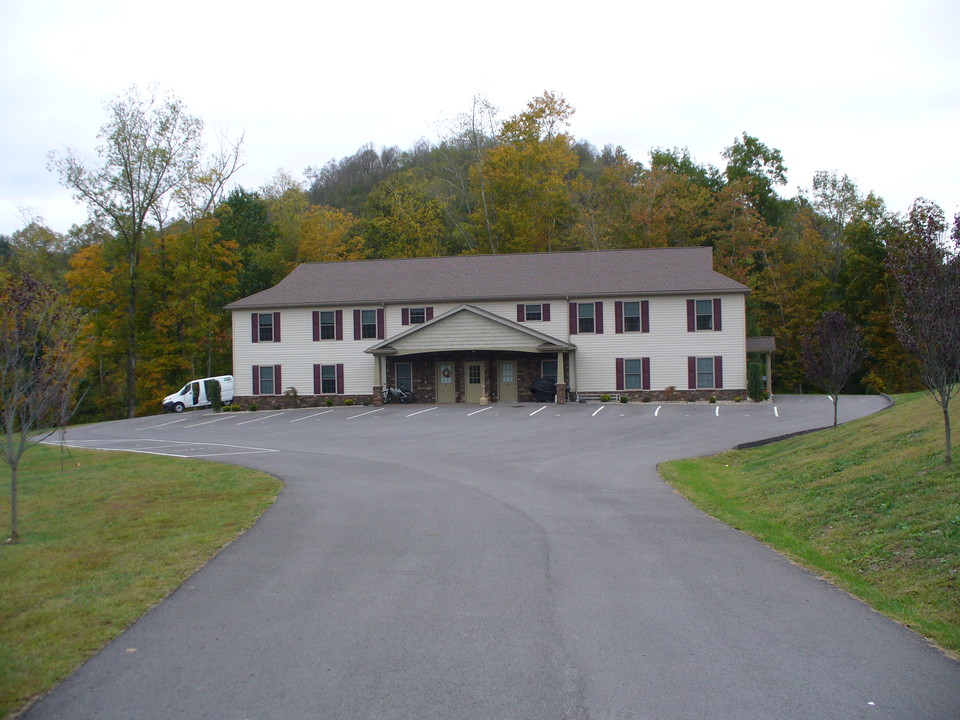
465	278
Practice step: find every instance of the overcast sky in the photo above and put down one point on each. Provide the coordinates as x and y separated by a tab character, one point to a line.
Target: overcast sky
870	89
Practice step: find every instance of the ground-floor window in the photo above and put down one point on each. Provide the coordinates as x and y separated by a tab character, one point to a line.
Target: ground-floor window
328	379
266	379
705	373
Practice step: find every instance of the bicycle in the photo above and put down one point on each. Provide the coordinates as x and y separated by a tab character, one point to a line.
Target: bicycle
396	393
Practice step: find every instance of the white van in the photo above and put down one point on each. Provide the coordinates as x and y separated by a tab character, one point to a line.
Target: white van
195	394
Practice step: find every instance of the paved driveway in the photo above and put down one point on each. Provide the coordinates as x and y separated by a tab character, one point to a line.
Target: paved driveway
518	562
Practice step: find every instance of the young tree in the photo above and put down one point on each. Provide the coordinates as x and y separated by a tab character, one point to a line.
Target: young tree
927	315
151	148
39	370
831	354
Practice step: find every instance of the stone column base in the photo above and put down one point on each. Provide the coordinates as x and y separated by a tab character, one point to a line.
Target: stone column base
377	395
561	393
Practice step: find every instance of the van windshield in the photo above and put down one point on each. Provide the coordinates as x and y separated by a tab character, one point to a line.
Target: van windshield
185	391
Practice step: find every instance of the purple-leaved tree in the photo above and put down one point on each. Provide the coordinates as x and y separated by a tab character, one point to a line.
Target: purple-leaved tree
832	353
927	313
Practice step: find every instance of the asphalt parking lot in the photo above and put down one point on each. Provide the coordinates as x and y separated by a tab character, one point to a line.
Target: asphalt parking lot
518	561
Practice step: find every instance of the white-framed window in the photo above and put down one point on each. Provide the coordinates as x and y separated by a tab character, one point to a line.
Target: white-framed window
631	317
328	379
533	311
368	324
586	317
704	314
267	376
418	316
705	376
328	325
633	373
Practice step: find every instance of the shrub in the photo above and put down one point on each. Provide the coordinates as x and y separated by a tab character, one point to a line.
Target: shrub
755	383
670	392
329	402
605	397
624	399
713	399
645	398
252	408
348	402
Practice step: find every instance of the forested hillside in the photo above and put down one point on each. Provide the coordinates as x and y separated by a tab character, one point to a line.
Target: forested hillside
153	294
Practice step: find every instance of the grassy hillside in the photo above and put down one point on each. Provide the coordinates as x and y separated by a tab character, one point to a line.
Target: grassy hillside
102	542
869	505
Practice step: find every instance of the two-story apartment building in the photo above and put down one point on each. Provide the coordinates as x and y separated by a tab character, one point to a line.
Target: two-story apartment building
478	328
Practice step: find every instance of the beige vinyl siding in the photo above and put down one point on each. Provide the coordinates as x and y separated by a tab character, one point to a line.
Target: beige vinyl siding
668	344
297	353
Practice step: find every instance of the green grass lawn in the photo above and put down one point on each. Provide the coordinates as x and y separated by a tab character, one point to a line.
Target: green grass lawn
869	505
102	542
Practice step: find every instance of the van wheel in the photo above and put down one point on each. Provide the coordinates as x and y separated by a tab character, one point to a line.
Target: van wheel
178	408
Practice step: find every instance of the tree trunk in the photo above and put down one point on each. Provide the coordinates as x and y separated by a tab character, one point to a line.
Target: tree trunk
14	504
946	430
836	403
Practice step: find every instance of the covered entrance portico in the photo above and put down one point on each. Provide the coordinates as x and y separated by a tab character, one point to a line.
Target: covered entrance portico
470	355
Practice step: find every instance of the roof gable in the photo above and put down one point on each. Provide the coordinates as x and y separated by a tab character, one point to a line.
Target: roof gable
467	327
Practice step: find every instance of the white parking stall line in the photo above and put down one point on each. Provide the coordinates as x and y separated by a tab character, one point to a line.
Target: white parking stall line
776	412
369	412
421	411
307	417
657	411
718	411
488	407
538	410
206	422
171	422
598	410
265	417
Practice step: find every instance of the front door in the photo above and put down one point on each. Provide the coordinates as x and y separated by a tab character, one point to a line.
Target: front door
446	385
508	381
474	381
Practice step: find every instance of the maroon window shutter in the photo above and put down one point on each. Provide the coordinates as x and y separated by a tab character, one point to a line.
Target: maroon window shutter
317	375
256	379
521	312
691	373
429	314
339	321
645	372
405	316
255	323
339	378
356	324
276	327
718	371
691	316
619	373
546	312
645	316
381	323
598	320
316	325
717	325
573	318
277	381
618	319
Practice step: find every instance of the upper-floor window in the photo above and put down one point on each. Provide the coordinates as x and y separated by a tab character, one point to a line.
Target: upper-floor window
416	315
703	315
531	312
266	327
368	324
631	317
328	325
586	317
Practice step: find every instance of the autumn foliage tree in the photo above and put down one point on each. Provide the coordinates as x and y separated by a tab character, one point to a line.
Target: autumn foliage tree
832	353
